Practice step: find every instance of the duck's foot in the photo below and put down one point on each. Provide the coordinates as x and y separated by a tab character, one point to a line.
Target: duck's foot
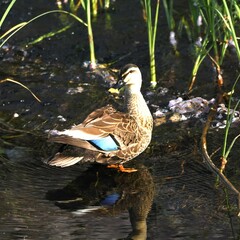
121	168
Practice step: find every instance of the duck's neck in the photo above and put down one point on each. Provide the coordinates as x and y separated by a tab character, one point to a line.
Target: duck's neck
135	104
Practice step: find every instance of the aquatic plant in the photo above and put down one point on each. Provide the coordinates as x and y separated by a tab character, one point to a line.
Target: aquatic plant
73	7
228	15
229	24
12	31
90	8
232	14
215	21
6	36
227	149
220	31
22	85
94	7
168	7
15	28
219	172
152	30
202	52
87	7
6	12
103	4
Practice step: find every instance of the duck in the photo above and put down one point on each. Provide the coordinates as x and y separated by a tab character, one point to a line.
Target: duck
114	137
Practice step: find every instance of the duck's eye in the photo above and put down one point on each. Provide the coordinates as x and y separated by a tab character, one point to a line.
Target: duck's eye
124	75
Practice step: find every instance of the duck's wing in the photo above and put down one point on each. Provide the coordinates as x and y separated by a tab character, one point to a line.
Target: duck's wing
68	155
96	132
105	130
62	160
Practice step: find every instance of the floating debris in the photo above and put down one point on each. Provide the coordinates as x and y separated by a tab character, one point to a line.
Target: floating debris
72	91
172	39
61	118
198	108
222	116
192	108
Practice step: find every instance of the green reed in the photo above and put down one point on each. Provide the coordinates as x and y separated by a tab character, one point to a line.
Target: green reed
20	84
195	19
202	52
215	26
90	8
202	15
220	28
13	29
94	8
152	30
229	21
168	7
6	12
87	7
227	149
73	7
11	32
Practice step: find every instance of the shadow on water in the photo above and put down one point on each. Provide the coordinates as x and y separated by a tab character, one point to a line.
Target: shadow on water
172	196
102	192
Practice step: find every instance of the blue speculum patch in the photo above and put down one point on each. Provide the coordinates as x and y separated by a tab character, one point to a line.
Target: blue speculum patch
110	200
105	144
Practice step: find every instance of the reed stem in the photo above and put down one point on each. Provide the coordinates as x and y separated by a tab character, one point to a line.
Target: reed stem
90	33
18	27
152	30
6	12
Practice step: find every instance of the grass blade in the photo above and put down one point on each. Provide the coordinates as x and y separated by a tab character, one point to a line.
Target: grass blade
22	85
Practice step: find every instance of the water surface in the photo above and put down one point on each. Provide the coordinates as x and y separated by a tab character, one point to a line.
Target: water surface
173	194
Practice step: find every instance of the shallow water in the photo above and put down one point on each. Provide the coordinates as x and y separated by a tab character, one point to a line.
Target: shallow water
173	194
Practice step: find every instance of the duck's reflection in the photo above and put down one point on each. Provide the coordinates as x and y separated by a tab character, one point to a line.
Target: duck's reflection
106	191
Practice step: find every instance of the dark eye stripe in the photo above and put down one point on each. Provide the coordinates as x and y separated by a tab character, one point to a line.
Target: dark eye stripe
126	73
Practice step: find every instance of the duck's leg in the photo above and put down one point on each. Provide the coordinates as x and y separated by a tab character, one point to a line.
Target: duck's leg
121	168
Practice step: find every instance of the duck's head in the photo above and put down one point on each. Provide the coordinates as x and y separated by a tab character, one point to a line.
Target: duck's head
130	76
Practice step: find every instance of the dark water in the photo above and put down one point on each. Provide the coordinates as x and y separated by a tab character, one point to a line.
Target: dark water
173	194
